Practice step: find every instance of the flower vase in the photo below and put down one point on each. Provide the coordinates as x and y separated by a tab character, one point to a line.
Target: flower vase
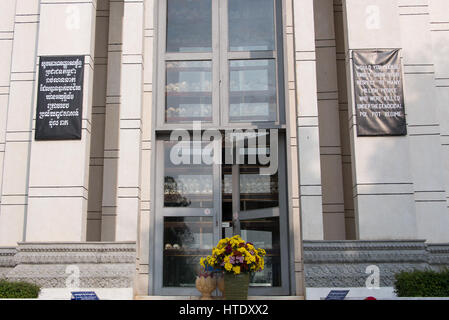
205	285
236	286
220	284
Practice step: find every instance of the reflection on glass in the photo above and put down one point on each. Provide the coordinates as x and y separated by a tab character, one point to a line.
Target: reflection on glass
186	184
188	91
186	240
264	233
257	191
252	94
251	25
189	26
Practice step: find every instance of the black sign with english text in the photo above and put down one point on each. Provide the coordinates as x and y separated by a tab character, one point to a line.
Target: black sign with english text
379	98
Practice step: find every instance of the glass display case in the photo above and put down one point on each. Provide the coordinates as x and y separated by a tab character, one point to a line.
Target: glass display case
188	91
252	90
186	240
187	185
257	191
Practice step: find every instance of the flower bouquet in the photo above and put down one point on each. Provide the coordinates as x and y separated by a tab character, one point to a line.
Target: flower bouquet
237	259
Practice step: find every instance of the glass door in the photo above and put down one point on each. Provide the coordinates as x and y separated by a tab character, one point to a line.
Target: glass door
198	204
259	201
187	215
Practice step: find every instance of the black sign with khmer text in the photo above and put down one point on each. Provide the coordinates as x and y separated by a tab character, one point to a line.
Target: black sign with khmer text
60	98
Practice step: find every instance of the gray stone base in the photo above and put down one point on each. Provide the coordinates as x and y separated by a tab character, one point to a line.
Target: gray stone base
343	263
328	264
7	262
84	265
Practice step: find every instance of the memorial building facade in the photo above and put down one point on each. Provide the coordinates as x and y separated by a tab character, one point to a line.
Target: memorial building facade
134	135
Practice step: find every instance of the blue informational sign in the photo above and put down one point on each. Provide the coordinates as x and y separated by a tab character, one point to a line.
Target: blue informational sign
337	295
84	295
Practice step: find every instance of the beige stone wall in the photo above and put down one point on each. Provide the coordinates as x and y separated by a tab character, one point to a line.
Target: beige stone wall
21	24
340	186
9	233
439	34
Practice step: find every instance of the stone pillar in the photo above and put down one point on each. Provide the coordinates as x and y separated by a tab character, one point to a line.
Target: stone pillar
130	130
292	146
94	206
59	170
310	193
21	33
329	123
112	115
422	100
346	163
382	181
143	241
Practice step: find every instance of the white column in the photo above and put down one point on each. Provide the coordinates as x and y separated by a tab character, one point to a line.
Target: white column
422	100
329	122
130	131
59	170
17	109
382	182
310	193
292	146
143	241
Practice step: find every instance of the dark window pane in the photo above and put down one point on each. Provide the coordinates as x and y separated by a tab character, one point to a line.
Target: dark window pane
252	95
189	26
188	91
186	240
251	25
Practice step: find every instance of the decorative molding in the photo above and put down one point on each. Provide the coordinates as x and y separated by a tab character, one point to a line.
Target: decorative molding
101	264
343	263
113	264
7	261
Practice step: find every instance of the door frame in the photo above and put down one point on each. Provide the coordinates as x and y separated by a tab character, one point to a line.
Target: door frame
216	214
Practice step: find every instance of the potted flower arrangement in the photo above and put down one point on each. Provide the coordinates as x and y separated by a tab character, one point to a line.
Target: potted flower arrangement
206	283
237	259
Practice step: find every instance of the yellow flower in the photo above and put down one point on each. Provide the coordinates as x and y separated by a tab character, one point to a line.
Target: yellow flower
228	266
236	270
242	250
